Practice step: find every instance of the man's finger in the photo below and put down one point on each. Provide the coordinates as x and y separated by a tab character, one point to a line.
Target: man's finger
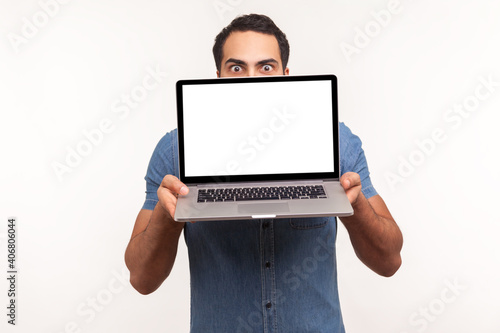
183	190
175	185
346	183
350	179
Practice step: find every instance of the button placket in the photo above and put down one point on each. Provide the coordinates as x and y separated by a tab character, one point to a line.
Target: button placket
268	275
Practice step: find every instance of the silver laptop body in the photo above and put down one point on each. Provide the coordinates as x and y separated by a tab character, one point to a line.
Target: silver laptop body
259	147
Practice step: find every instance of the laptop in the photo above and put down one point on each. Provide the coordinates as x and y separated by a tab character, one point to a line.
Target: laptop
259	147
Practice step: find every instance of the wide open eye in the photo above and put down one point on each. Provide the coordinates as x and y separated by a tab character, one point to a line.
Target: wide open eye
236	68
267	68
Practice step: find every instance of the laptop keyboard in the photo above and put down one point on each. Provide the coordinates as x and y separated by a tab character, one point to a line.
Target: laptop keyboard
261	193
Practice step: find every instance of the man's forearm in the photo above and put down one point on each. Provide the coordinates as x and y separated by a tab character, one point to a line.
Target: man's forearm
151	253
376	239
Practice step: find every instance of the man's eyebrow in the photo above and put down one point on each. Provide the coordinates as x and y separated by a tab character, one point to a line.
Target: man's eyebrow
235	61
267	61
241	62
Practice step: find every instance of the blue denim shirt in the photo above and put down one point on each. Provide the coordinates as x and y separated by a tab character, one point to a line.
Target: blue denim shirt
269	275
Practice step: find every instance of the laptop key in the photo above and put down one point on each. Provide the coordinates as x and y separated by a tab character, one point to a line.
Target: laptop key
247	199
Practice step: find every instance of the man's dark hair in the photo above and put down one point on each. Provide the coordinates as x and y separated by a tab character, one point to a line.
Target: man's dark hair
252	22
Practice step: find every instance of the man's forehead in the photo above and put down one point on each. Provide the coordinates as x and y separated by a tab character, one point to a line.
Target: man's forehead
250	46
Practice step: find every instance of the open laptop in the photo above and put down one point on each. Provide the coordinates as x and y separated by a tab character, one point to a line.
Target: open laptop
259	147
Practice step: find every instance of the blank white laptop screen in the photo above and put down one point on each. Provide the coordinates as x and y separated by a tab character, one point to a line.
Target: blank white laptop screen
258	128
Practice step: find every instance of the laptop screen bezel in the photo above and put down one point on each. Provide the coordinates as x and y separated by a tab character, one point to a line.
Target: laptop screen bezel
188	180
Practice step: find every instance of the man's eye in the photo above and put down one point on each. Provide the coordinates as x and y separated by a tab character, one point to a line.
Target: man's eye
267	68
236	68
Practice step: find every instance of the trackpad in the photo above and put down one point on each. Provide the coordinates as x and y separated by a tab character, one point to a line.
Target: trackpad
263	208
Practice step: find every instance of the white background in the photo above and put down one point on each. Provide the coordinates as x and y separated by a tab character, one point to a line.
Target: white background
71	73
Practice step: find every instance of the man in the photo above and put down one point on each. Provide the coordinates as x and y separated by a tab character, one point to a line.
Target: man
267	275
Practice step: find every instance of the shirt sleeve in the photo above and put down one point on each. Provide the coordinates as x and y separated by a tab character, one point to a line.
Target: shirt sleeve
352	159
160	165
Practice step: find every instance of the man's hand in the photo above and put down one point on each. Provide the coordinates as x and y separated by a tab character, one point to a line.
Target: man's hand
152	249
374	234
168	191
351	183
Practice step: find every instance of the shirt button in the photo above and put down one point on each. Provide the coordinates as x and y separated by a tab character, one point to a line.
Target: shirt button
268	264
268	305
